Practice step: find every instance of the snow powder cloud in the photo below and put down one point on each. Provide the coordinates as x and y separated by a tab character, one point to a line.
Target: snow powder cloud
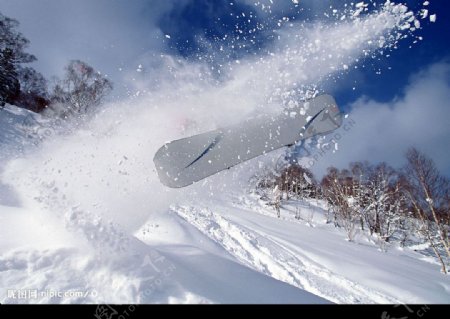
384	131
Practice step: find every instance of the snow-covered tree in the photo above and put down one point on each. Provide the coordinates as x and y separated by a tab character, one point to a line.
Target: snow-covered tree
13	40
382	191
293	180
429	194
277	196
19	85
263	182
9	84
32	82
360	174
337	187
297	181
377	192
12	54
33	90
367	195
81	89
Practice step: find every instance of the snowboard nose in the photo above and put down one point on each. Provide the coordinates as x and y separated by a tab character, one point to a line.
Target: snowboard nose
327	119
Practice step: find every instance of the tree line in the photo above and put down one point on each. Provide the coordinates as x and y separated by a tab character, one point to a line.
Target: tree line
392	204
80	89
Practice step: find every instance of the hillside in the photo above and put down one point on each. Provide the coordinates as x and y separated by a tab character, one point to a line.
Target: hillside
226	248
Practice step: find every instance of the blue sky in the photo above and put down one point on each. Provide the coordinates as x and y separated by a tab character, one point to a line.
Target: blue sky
200	17
114	35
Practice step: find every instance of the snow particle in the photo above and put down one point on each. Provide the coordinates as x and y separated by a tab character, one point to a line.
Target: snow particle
424	13
417	24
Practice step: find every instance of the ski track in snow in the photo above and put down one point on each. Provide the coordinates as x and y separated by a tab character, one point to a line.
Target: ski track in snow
279	259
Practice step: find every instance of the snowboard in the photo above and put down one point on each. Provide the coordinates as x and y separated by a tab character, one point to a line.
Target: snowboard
188	160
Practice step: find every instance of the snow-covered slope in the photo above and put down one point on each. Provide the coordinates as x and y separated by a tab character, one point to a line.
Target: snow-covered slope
38	255
225	248
88	260
313	255
83	217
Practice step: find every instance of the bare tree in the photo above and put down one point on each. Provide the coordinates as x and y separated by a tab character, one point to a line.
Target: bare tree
33	90
32	82
9	84
81	89
408	223
264	182
429	194
387	200
297	181
14	77
338	188
277	196
360	174
378	196
13	40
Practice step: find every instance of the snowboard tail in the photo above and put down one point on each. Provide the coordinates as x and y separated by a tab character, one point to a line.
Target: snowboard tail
185	161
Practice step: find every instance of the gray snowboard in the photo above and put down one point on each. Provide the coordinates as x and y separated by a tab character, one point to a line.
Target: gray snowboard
185	161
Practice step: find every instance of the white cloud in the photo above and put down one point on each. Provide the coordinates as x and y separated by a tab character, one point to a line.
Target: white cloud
384	131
